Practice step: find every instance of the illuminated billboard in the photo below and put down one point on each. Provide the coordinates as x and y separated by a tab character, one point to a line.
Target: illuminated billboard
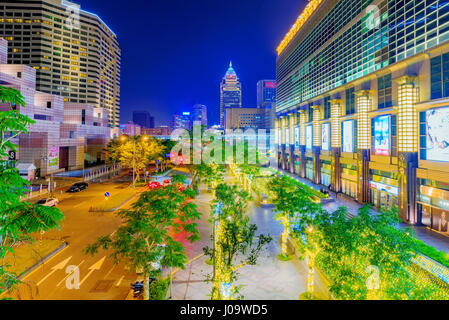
437	132
325	136
348	136
287	136
382	136
309	137
296	137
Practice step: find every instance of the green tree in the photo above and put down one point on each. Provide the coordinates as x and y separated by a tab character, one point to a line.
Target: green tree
136	152
235	240
291	204
147	236
18	219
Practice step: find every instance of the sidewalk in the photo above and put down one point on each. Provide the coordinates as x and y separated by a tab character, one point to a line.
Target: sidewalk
427	236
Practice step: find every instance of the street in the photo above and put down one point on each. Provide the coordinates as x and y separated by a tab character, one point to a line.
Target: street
99	278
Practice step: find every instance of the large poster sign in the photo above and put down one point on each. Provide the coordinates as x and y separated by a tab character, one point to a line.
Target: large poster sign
287	136
325	136
296	137
309	137
437	144
53	156
348	136
382	136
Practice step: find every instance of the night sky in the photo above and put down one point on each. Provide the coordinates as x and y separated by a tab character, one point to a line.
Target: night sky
175	52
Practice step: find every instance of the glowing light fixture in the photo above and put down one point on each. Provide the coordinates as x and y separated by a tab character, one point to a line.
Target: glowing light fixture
407	115
363	105
316	126
302	128
335	123
300	21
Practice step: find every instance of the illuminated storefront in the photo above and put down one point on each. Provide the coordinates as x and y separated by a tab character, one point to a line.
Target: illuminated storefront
326	172
309	168
384	190
433	202
349	180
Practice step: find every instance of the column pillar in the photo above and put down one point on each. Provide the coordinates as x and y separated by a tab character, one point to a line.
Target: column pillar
316	144
407	126
283	141
363	106
336	113
291	147
302	142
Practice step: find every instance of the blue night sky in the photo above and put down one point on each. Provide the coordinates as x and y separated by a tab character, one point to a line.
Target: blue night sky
175	52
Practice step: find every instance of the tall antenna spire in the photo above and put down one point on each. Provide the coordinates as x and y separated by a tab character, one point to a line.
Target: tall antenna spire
230	64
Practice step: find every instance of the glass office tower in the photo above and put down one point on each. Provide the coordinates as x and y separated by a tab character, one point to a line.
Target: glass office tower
362	103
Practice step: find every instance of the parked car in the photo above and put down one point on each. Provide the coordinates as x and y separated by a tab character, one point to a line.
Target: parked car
77	187
48	202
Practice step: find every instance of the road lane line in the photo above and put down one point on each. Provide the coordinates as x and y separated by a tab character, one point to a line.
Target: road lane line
109	272
120	281
59	266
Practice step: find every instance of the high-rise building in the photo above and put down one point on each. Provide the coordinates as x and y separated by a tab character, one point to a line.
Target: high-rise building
266	99
75	54
266	93
143	119
362	105
65	136
181	121
200	114
230	93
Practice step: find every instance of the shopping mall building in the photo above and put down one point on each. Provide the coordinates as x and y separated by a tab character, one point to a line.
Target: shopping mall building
65	136
363	103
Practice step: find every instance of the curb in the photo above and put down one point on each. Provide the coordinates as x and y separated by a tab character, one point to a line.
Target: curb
42	261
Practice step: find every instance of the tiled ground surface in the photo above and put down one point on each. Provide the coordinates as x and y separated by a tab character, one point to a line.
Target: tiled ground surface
270	279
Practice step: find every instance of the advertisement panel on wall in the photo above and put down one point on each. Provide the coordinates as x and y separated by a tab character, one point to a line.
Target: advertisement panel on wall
296	137
382	136
53	157
287	136
348	136
309	137
437	132
325	136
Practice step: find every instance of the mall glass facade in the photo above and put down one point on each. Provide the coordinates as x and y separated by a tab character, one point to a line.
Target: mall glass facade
376	73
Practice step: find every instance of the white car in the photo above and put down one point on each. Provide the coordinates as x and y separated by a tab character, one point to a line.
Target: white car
49	202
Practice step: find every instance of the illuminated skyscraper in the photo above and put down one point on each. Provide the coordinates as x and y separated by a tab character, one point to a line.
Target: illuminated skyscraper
230	93
200	114
75	54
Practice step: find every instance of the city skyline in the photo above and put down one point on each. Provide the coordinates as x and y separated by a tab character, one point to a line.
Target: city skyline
195	56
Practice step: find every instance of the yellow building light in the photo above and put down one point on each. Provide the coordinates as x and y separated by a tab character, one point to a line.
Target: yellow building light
302	127
316	126
407	115
363	106
300	21
336	113
18	20
16	50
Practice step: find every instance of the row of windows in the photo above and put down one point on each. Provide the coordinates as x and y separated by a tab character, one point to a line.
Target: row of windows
403	29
